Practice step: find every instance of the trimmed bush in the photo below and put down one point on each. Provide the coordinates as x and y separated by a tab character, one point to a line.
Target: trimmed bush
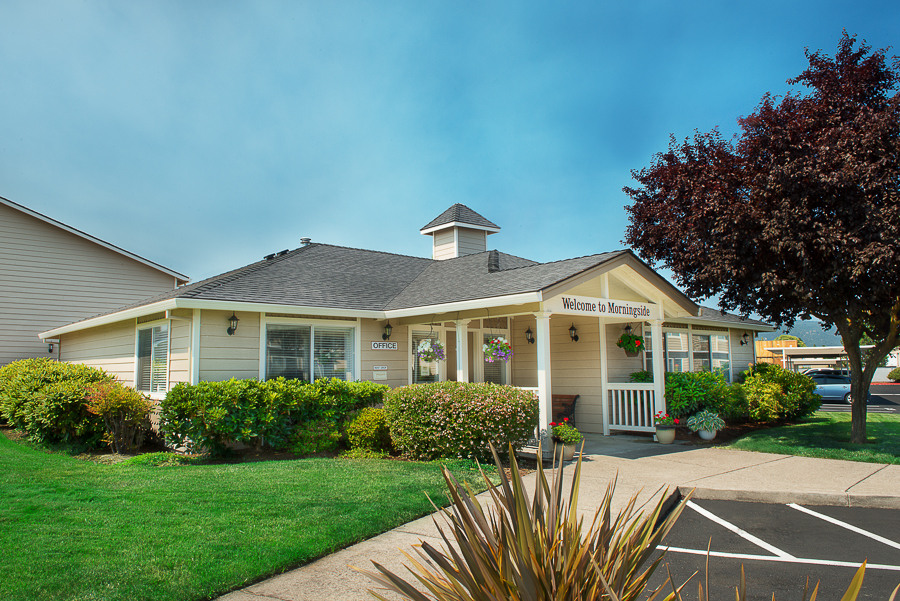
317	436
459	419
125	413
212	415
773	393
369	430
689	392
894	374
46	399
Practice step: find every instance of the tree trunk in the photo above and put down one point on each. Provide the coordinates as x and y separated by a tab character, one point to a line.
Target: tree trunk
859	388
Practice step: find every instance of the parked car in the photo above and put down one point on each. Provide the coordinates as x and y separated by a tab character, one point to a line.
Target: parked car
832	387
828	371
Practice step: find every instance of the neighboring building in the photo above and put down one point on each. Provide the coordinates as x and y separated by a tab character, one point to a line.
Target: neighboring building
769	351
332	311
52	274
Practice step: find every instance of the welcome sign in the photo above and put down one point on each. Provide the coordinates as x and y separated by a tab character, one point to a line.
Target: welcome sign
602	307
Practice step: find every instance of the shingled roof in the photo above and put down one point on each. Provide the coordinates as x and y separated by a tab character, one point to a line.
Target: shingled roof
460	213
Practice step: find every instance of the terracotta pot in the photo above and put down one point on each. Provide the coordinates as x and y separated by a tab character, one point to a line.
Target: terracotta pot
665	434
707	434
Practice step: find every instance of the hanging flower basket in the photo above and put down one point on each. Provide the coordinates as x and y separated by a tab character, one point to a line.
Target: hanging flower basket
630	343
497	348
430	350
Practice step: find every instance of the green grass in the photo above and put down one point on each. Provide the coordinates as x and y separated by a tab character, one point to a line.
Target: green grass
71	529
827	435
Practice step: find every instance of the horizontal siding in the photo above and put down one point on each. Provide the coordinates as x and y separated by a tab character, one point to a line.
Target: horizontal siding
621	366
109	347
472	241
179	351
444	251
50	277
397	362
741	356
223	357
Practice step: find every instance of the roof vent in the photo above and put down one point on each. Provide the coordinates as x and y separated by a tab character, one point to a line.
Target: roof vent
305	241
282	253
493	261
269	257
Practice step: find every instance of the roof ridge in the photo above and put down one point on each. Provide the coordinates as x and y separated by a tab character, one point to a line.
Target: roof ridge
369	250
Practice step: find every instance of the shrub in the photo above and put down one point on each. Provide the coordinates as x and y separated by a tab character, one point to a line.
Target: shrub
369	430
459	419
46	399
794	398
211	415
642	376
894	374
317	436
688	392
125	413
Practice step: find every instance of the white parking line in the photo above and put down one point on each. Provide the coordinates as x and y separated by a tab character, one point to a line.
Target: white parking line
850	527
789	559
742	533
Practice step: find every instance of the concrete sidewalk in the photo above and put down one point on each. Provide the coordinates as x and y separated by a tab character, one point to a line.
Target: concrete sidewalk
642	467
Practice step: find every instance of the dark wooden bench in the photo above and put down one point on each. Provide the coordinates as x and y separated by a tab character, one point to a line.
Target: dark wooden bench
564	406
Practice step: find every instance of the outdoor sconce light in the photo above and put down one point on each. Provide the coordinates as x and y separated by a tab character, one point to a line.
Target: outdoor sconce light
50	348
573	333
628	329
745	339
529	336
387	331
233	320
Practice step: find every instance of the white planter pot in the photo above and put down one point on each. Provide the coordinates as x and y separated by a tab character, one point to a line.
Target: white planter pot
706	434
665	434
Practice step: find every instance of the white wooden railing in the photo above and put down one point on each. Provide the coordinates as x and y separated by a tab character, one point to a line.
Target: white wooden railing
631	407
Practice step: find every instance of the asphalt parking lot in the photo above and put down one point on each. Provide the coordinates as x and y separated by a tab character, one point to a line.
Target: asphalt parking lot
780	545
884	398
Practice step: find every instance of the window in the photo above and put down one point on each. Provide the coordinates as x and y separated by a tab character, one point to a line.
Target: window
152	358
708	352
309	352
423	371
711	354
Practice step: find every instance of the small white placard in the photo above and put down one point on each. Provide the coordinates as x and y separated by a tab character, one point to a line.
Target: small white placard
379	375
379	367
384	346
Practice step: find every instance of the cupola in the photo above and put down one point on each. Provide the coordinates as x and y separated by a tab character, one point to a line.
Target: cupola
457	232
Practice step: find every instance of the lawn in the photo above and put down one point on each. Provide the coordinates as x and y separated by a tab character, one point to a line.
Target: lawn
827	435
73	529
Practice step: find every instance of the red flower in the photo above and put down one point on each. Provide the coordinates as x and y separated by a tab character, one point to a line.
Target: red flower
552	423
676	420
637	343
565	419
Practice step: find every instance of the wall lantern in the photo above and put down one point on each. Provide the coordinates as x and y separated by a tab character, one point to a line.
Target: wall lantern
387	331
529	336
50	348
573	333
233	321
745	339
628	329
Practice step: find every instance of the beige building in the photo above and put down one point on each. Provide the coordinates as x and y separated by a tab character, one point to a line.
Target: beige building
52	274
330	311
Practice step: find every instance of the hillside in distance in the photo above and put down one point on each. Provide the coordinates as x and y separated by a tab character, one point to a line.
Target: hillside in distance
809	332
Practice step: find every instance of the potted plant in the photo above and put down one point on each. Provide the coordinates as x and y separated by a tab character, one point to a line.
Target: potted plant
630	343
566	435
665	427
497	348
706	424
430	350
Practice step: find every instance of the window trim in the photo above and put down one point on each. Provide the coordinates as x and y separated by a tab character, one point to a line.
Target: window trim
691	332
266	321
167	323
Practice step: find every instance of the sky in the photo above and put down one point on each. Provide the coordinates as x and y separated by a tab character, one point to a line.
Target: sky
204	135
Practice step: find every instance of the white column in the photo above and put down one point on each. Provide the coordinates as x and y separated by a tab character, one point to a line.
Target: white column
659	367
543	370
462	350
604	360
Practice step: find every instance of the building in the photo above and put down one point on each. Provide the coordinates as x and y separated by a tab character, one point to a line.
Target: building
52	274
331	311
769	351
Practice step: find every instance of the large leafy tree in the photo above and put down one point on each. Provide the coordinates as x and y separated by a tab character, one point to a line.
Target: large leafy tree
798	216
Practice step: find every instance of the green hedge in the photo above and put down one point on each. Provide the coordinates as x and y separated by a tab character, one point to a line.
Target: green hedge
46	399
772	392
210	415
894	374
689	392
457	419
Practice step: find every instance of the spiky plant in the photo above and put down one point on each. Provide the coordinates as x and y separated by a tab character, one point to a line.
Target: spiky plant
530	548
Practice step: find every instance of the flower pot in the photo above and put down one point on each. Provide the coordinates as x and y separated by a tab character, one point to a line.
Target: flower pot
665	434
568	452
707	434
631	353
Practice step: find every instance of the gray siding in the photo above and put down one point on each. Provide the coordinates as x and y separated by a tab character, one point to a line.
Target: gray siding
50	277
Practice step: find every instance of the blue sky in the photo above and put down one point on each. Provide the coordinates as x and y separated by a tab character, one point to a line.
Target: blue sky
204	135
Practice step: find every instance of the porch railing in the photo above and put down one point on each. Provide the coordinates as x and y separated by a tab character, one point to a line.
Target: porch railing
631	407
